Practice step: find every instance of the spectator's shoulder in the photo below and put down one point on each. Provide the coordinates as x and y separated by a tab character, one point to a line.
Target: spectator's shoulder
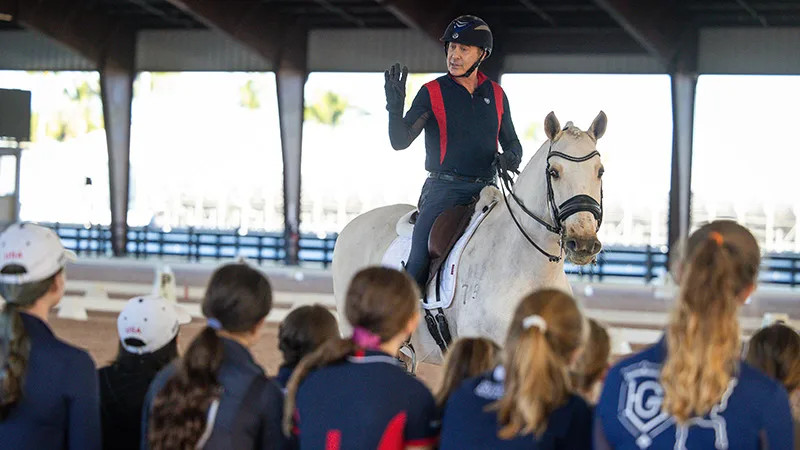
163	376
74	357
647	357
760	386
269	388
578	404
482	387
756	379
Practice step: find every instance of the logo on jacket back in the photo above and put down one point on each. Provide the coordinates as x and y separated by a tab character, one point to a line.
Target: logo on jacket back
641	398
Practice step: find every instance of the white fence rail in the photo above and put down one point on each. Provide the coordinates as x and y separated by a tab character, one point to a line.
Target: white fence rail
627	327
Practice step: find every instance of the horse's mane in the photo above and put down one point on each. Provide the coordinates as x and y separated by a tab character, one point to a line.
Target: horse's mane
571	130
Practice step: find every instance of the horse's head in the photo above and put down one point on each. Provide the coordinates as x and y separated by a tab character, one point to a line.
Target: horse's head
574	172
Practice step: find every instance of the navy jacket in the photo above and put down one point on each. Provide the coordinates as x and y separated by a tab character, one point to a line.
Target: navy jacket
250	410
461	129
123	387
467	425
60	408
753	414
364	402
284	374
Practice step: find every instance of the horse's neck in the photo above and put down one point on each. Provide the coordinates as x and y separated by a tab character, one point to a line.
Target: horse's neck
531	189
513	247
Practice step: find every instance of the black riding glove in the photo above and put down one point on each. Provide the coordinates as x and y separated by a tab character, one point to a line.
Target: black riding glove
509	161
395	88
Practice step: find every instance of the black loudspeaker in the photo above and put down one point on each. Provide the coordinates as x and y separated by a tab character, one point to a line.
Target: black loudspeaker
15	114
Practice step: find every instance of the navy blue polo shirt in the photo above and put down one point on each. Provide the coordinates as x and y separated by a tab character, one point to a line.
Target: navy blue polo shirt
462	130
282	378
467	425
365	402
60	407
629	414
250	409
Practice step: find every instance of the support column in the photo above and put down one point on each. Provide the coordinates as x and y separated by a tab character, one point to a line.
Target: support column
290	76
116	86
684	85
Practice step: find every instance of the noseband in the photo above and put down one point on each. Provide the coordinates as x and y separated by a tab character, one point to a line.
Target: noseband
559	213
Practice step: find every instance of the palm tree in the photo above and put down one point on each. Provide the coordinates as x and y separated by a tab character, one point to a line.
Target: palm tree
79	114
250	95
82	117
532	131
329	109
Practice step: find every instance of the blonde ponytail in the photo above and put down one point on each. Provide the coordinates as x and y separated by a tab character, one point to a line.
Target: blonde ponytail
703	336
544	335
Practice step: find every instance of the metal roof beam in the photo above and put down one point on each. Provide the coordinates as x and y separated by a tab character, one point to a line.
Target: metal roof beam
256	25
570	41
97	37
341	13
428	16
654	25
538	11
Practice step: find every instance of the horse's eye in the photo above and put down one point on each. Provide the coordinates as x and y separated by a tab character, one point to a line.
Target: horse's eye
601	172
554	173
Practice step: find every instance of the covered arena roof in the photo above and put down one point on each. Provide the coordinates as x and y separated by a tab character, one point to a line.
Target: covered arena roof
613	36
508	14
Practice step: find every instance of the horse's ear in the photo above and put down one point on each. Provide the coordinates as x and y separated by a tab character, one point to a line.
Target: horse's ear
598	128
551	126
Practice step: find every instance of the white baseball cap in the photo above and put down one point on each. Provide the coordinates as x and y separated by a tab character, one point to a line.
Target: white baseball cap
37	249
151	322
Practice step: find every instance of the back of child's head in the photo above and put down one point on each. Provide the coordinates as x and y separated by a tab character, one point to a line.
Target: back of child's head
776	351
381	304
466	358
546	332
303	331
237	301
592	365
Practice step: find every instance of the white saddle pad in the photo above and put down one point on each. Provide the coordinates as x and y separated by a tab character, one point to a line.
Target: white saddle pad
398	252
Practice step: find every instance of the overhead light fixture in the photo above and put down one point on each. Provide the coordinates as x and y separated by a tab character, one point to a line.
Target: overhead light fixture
4	17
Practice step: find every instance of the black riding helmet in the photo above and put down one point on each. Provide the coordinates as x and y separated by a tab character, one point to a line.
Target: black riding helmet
469	30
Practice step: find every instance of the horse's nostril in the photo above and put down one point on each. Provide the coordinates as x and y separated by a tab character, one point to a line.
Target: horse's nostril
572	245
596	247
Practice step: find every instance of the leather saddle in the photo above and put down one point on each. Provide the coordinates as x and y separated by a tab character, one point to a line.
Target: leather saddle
446	231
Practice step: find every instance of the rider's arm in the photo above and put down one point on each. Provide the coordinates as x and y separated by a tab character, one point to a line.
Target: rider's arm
403	130
508	136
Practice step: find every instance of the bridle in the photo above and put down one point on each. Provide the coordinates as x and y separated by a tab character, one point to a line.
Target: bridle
559	213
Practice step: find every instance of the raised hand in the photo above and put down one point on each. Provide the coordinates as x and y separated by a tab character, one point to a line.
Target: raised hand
395	87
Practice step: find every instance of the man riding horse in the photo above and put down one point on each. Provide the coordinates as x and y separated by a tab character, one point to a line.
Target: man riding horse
464	115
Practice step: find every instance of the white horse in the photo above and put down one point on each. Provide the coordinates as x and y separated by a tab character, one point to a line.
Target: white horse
561	184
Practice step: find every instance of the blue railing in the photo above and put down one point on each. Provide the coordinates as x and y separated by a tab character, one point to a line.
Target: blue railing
645	263
193	244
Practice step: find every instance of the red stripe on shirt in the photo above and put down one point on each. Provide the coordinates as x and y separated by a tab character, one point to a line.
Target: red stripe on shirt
437	105
498	104
392	438
296	421
333	440
422	442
